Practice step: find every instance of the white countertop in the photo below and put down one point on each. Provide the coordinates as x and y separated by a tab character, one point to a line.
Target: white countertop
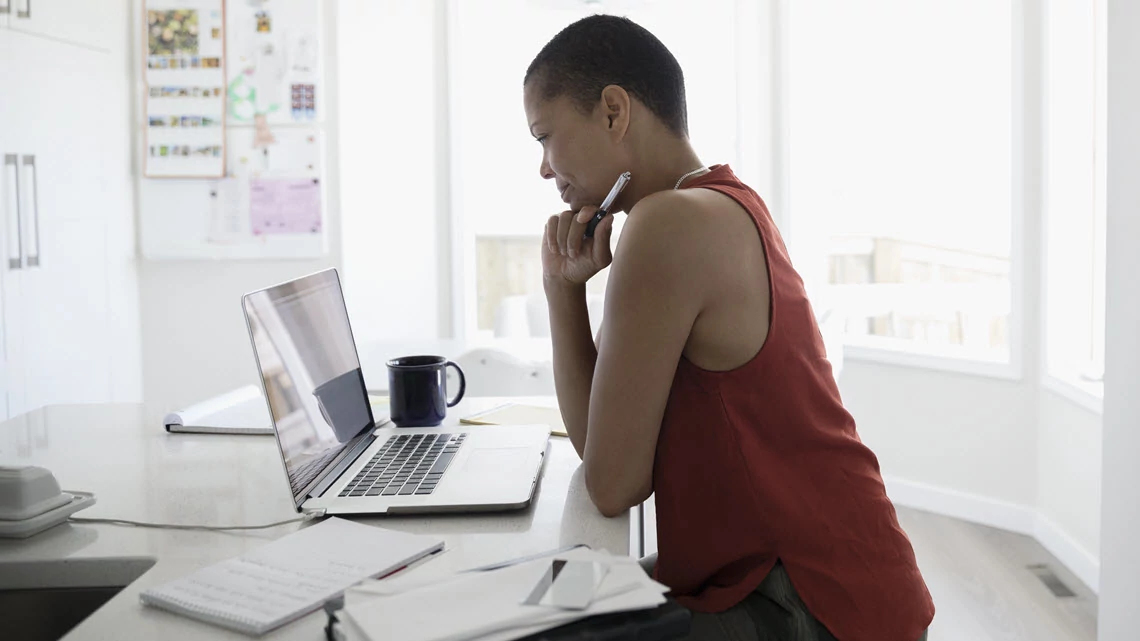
137	471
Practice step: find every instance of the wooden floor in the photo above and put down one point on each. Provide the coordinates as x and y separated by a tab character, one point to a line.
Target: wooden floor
984	590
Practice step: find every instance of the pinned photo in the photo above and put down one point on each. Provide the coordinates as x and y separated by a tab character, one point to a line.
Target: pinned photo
155	92
174	121
195	62
264	23
163	151
216	32
185	121
172	32
157	121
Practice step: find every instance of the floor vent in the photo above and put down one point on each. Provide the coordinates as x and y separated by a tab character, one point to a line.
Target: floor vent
1055	585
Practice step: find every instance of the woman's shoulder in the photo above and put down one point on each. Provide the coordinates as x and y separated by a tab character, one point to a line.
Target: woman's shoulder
698	219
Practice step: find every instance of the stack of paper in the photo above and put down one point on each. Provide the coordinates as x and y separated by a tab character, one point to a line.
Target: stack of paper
489	606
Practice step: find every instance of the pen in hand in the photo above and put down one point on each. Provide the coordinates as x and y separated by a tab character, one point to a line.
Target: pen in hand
622	181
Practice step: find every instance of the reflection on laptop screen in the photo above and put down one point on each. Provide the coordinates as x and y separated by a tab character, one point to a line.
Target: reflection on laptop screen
308	362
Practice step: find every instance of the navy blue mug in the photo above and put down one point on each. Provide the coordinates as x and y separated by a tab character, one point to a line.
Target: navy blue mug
417	390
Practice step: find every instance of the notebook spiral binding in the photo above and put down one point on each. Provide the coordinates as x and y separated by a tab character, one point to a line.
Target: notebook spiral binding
180	606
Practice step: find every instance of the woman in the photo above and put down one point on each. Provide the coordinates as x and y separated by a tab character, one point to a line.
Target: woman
708	383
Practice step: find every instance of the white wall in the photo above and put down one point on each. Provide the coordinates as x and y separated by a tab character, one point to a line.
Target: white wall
1069	485
948	441
122	268
1120	518
194	337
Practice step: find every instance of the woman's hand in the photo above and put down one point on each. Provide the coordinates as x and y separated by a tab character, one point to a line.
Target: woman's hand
569	259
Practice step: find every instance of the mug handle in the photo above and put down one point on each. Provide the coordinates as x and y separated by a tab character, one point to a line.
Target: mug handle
462	384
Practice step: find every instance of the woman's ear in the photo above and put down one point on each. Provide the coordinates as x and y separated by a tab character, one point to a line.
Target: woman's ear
616	109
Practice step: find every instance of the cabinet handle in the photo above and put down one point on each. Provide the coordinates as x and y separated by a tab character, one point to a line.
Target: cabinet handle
17	262
33	260
27	12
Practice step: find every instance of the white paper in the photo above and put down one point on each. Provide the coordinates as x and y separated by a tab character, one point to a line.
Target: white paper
568	584
229	211
487	605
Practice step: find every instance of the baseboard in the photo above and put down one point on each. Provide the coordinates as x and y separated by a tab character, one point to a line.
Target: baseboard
1068	551
961	505
1000	514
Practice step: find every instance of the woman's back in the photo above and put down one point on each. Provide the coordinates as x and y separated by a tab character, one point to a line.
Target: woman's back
757	461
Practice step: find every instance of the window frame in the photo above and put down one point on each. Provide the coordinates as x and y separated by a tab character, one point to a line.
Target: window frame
1070	383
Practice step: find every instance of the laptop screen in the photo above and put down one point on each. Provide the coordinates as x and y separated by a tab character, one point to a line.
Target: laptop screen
311	373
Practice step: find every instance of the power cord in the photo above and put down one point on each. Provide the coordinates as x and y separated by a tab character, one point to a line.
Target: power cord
172	526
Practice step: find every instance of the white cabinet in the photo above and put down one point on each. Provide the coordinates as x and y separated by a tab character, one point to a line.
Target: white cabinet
65	140
65	280
8	212
86	23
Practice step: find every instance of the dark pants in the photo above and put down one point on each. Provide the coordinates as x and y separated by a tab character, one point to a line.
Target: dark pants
773	612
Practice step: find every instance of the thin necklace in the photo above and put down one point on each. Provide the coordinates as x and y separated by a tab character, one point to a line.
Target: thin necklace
682	178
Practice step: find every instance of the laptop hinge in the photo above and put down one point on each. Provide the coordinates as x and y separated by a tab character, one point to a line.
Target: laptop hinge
333	472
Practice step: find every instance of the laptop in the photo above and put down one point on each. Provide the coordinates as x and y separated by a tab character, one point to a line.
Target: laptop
343	457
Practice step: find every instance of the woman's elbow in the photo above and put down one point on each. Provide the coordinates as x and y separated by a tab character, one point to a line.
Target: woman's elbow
610	500
610	507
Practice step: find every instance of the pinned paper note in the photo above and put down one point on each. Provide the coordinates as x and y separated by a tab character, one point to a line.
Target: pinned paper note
285	205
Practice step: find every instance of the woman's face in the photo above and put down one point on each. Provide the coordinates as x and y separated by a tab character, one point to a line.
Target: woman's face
579	151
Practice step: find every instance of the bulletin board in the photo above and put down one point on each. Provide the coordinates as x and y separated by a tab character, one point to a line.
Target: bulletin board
274	62
268	200
184	96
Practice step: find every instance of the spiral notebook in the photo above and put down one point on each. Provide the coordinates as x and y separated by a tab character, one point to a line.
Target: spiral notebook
290	577
241	411
520	414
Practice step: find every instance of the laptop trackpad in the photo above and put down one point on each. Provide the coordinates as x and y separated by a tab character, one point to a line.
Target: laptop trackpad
499	462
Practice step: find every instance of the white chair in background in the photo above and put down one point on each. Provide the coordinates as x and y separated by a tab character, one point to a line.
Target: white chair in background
494	372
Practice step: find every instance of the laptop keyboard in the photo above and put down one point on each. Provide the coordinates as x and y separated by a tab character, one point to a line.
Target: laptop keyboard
406	464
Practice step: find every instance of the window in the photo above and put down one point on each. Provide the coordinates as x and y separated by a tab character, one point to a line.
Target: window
901	140
1075	100
500	203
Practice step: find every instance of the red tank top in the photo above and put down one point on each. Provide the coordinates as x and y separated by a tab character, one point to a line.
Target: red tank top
762	463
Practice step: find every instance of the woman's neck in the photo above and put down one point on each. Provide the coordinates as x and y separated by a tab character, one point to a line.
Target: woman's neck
661	168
